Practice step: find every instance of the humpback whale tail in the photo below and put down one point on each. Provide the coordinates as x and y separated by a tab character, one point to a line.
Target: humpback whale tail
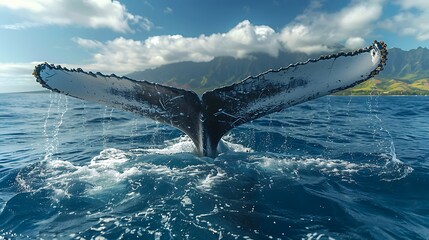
205	120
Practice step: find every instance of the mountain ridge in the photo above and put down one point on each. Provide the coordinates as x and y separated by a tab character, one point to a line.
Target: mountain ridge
405	73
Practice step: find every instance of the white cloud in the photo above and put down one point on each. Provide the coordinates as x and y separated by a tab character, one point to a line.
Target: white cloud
408	4
168	10
127	55
312	32
316	31
411	20
146	24
87	43
20	26
87	13
16	77
354	42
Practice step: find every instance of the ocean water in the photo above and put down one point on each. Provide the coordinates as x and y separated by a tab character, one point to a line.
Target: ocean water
332	168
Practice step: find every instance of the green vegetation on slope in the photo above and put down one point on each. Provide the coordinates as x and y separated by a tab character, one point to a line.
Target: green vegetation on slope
389	87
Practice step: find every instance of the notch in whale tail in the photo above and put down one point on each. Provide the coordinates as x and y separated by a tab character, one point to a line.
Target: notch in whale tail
207	119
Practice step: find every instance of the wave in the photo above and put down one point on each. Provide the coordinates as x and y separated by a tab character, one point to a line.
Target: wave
154	192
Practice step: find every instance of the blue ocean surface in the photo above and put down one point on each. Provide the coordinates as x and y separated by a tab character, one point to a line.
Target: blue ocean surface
332	168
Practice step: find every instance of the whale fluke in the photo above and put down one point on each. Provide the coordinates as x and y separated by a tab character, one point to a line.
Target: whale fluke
218	111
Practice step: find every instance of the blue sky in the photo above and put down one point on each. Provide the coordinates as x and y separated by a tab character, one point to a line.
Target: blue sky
130	35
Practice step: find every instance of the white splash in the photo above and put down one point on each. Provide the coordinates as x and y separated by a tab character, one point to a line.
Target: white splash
227	144
186	201
344	169
184	144
103	172
178	145
215	176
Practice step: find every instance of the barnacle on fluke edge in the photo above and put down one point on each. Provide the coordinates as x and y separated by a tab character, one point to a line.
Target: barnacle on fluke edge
207	118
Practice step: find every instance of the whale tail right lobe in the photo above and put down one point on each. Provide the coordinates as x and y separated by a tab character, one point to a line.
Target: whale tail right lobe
230	106
218	111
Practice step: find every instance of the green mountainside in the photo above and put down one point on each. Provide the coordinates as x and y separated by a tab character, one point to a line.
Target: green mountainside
406	72
221	71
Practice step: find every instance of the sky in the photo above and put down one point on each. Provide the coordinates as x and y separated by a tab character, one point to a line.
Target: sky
124	36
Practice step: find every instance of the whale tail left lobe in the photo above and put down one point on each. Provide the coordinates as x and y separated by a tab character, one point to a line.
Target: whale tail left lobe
177	107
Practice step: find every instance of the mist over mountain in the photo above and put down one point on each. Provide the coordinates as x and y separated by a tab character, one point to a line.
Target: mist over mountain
405	73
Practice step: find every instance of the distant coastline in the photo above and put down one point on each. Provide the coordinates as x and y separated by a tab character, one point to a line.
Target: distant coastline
408	85
390	87
28	92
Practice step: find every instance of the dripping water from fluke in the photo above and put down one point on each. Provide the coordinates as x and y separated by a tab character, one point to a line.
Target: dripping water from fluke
55	118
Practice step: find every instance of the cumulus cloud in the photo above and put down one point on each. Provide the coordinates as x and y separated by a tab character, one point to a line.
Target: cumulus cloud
354	43
129	55
311	32
411	20
87	13
316	31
